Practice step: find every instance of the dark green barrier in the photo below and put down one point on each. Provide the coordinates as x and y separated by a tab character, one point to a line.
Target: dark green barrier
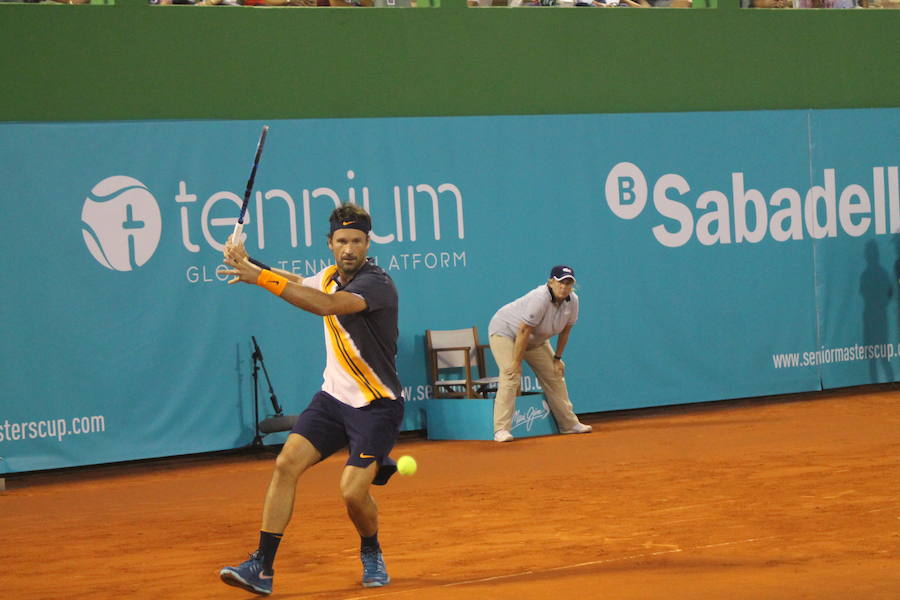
133	61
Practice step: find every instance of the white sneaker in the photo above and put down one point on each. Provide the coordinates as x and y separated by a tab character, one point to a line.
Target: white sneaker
578	428
502	435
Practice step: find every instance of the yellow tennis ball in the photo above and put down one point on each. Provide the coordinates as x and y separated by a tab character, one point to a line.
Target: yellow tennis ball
406	465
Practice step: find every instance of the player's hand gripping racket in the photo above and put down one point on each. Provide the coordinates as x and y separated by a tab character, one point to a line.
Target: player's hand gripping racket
239	226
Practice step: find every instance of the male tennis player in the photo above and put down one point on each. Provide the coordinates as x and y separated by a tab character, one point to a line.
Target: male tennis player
360	404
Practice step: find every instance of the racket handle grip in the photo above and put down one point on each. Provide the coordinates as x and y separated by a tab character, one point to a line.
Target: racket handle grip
236	236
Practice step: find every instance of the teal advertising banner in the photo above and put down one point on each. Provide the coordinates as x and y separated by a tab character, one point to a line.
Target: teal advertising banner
854	158
718	255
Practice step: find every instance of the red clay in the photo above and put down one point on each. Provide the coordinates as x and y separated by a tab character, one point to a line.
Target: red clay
777	498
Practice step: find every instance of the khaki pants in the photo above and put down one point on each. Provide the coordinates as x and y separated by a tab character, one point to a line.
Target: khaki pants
540	360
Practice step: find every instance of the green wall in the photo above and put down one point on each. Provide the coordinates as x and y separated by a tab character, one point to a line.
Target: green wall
133	61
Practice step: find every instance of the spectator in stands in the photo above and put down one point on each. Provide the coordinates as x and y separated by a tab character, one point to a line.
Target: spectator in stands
657	3
824	3
765	3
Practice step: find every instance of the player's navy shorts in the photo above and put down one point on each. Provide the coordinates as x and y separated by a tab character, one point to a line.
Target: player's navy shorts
370	431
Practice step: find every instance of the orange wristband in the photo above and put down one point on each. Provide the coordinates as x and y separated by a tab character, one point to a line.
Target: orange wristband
273	282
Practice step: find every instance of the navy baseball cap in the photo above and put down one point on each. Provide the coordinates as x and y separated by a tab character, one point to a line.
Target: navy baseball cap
560	272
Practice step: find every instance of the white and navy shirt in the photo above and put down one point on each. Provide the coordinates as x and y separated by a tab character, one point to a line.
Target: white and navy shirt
536	309
361	347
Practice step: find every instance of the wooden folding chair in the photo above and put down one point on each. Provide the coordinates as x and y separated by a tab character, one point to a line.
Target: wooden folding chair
457	364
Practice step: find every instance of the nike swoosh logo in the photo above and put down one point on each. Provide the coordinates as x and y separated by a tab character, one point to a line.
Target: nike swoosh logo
347	222
264	576
362	455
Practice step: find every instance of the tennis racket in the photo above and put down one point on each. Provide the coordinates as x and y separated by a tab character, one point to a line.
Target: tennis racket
239	226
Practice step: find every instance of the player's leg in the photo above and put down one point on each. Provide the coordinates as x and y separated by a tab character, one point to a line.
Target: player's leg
372	432
317	434
296	456
361	507
541	360
503	349
256	574
363	512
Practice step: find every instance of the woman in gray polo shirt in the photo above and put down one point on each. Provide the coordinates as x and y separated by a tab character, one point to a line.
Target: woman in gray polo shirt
522	330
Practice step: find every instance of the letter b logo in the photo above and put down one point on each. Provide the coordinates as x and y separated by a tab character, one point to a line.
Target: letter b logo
626	190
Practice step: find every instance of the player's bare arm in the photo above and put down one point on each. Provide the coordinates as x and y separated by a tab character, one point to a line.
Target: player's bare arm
301	296
320	303
237	252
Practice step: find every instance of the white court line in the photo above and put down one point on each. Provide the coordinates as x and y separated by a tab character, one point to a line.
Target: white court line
687	506
564	567
883	509
657	553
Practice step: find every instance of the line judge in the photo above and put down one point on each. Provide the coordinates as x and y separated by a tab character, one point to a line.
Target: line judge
521	330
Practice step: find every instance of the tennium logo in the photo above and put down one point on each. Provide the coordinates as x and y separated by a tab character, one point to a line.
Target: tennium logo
121	223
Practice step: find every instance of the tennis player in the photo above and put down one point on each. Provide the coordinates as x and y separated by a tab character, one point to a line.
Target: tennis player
360	405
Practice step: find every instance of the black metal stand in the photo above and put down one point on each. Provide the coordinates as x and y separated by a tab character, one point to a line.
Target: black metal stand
258	363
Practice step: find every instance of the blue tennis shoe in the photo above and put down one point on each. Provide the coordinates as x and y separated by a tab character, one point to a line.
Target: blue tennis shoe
249	575
374	571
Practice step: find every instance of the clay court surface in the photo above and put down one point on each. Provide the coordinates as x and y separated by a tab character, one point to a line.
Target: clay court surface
794	497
